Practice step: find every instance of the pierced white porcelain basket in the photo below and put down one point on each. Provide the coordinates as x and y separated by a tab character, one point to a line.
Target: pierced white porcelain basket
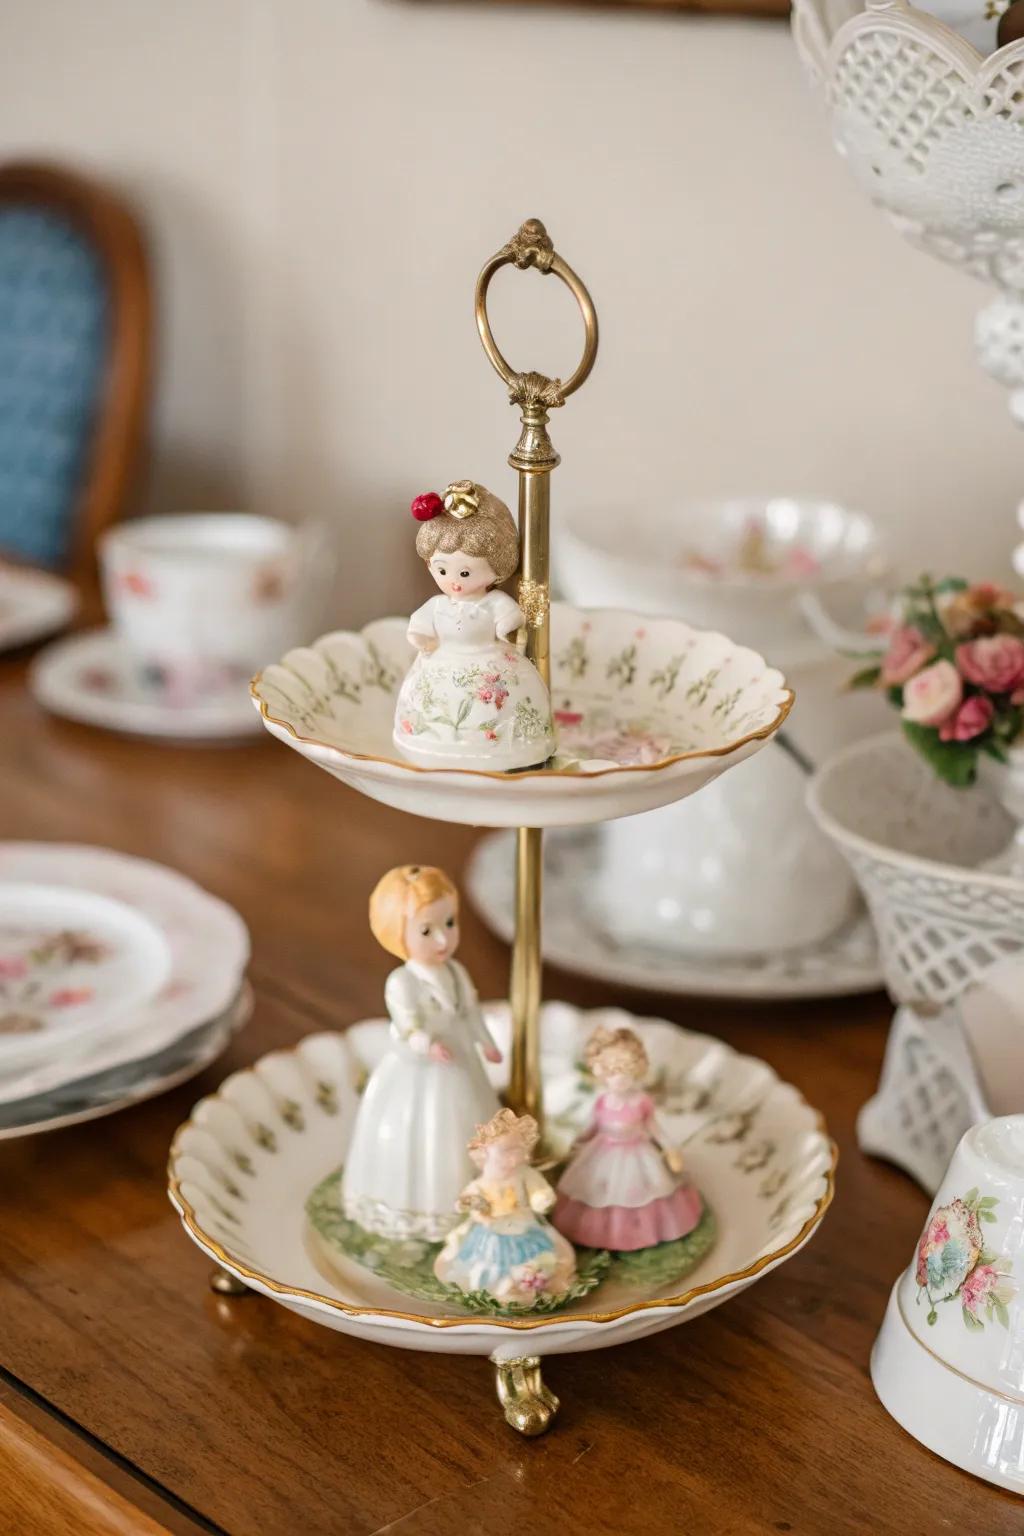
946	928
646	712
934	133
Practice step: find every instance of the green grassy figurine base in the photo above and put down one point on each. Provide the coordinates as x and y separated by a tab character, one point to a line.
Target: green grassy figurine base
408	1264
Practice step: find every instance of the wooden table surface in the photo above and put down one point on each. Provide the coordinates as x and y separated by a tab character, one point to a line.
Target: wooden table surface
133	1399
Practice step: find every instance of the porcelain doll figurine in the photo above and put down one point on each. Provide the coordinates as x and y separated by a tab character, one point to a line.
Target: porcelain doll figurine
470	699
503	1245
624	1187
408	1161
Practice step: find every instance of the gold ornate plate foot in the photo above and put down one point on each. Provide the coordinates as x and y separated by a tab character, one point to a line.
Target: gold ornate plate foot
226	1284
529	1406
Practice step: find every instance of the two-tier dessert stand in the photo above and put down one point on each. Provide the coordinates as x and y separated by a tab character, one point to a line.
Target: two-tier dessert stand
240	1169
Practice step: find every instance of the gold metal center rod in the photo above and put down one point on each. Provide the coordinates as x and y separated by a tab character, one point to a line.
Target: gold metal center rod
534	458
525	1093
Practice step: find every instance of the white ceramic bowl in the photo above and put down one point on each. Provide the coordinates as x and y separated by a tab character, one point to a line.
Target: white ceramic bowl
198	595
703	878
949	1361
685	560
646	712
241	1169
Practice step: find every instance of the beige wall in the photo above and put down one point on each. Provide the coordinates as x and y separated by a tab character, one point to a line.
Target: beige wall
321	179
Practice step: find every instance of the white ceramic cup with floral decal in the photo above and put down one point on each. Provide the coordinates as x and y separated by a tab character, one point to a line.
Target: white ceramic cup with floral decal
948	1363
203	599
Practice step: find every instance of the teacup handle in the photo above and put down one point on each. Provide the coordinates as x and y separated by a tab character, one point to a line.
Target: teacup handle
849	642
318	565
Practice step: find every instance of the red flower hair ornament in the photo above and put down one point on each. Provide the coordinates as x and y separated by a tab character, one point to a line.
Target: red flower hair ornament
427	506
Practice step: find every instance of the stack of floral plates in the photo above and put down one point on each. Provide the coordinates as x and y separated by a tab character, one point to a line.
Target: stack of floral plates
118	978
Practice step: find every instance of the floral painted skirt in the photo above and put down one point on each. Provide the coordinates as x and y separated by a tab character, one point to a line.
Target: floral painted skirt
486	708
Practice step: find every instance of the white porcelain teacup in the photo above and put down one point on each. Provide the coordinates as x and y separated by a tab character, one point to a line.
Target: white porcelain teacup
204	599
949	1361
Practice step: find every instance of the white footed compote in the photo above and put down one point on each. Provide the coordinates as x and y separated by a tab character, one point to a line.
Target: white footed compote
949	1361
470	699
408	1163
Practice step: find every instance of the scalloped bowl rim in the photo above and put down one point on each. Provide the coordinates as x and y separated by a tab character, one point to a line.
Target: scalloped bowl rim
276	725
724	1283
884	852
923	22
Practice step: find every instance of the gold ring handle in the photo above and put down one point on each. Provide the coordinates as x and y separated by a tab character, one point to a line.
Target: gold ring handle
531	247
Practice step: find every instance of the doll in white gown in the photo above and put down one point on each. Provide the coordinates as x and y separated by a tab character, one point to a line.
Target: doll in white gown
471	699
407	1161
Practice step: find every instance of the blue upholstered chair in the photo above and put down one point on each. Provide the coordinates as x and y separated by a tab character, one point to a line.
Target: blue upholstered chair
74	364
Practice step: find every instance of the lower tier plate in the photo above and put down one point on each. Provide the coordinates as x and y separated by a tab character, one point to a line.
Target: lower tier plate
241	1170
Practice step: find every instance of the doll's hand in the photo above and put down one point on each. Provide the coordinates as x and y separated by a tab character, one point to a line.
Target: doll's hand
439	1051
673	1160
425	643
491	1053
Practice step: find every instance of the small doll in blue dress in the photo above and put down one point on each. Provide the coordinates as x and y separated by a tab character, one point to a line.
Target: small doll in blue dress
504	1246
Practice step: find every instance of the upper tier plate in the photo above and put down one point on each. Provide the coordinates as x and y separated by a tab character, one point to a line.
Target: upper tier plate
647	711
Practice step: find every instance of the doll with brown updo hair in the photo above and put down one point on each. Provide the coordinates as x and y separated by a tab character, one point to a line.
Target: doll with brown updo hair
407	1160
624	1187
471	699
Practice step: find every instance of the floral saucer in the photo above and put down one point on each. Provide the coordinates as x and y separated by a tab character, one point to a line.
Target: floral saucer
104	1093
241	1170
94	679
33	604
646	712
132	956
845	963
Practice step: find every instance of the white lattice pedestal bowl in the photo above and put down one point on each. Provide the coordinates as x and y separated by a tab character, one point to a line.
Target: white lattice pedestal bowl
934	133
242	1167
647	711
952	943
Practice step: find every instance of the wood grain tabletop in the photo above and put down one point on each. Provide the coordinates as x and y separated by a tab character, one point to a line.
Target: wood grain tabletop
123	1375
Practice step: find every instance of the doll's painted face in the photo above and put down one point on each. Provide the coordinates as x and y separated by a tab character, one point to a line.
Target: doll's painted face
462	576
502	1157
432	933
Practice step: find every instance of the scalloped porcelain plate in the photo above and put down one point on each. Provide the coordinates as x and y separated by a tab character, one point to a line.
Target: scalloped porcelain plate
199	955
241	1168
845	963
647	711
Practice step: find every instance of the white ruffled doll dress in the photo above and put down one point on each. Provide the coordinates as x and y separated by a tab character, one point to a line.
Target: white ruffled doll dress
407	1163
475	701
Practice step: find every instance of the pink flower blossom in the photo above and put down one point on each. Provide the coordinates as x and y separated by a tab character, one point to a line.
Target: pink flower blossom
491	735
13	965
68	997
407	727
932	696
485	695
908	652
995	662
978	1286
569	716
972	718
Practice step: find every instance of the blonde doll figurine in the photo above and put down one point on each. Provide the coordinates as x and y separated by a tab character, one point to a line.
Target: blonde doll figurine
408	1161
624	1187
504	1246
470	699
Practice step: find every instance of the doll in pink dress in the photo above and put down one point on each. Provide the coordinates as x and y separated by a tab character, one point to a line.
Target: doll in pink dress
624	1187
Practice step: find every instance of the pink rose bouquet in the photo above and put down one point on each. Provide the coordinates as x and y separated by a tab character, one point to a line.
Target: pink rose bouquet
954	668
